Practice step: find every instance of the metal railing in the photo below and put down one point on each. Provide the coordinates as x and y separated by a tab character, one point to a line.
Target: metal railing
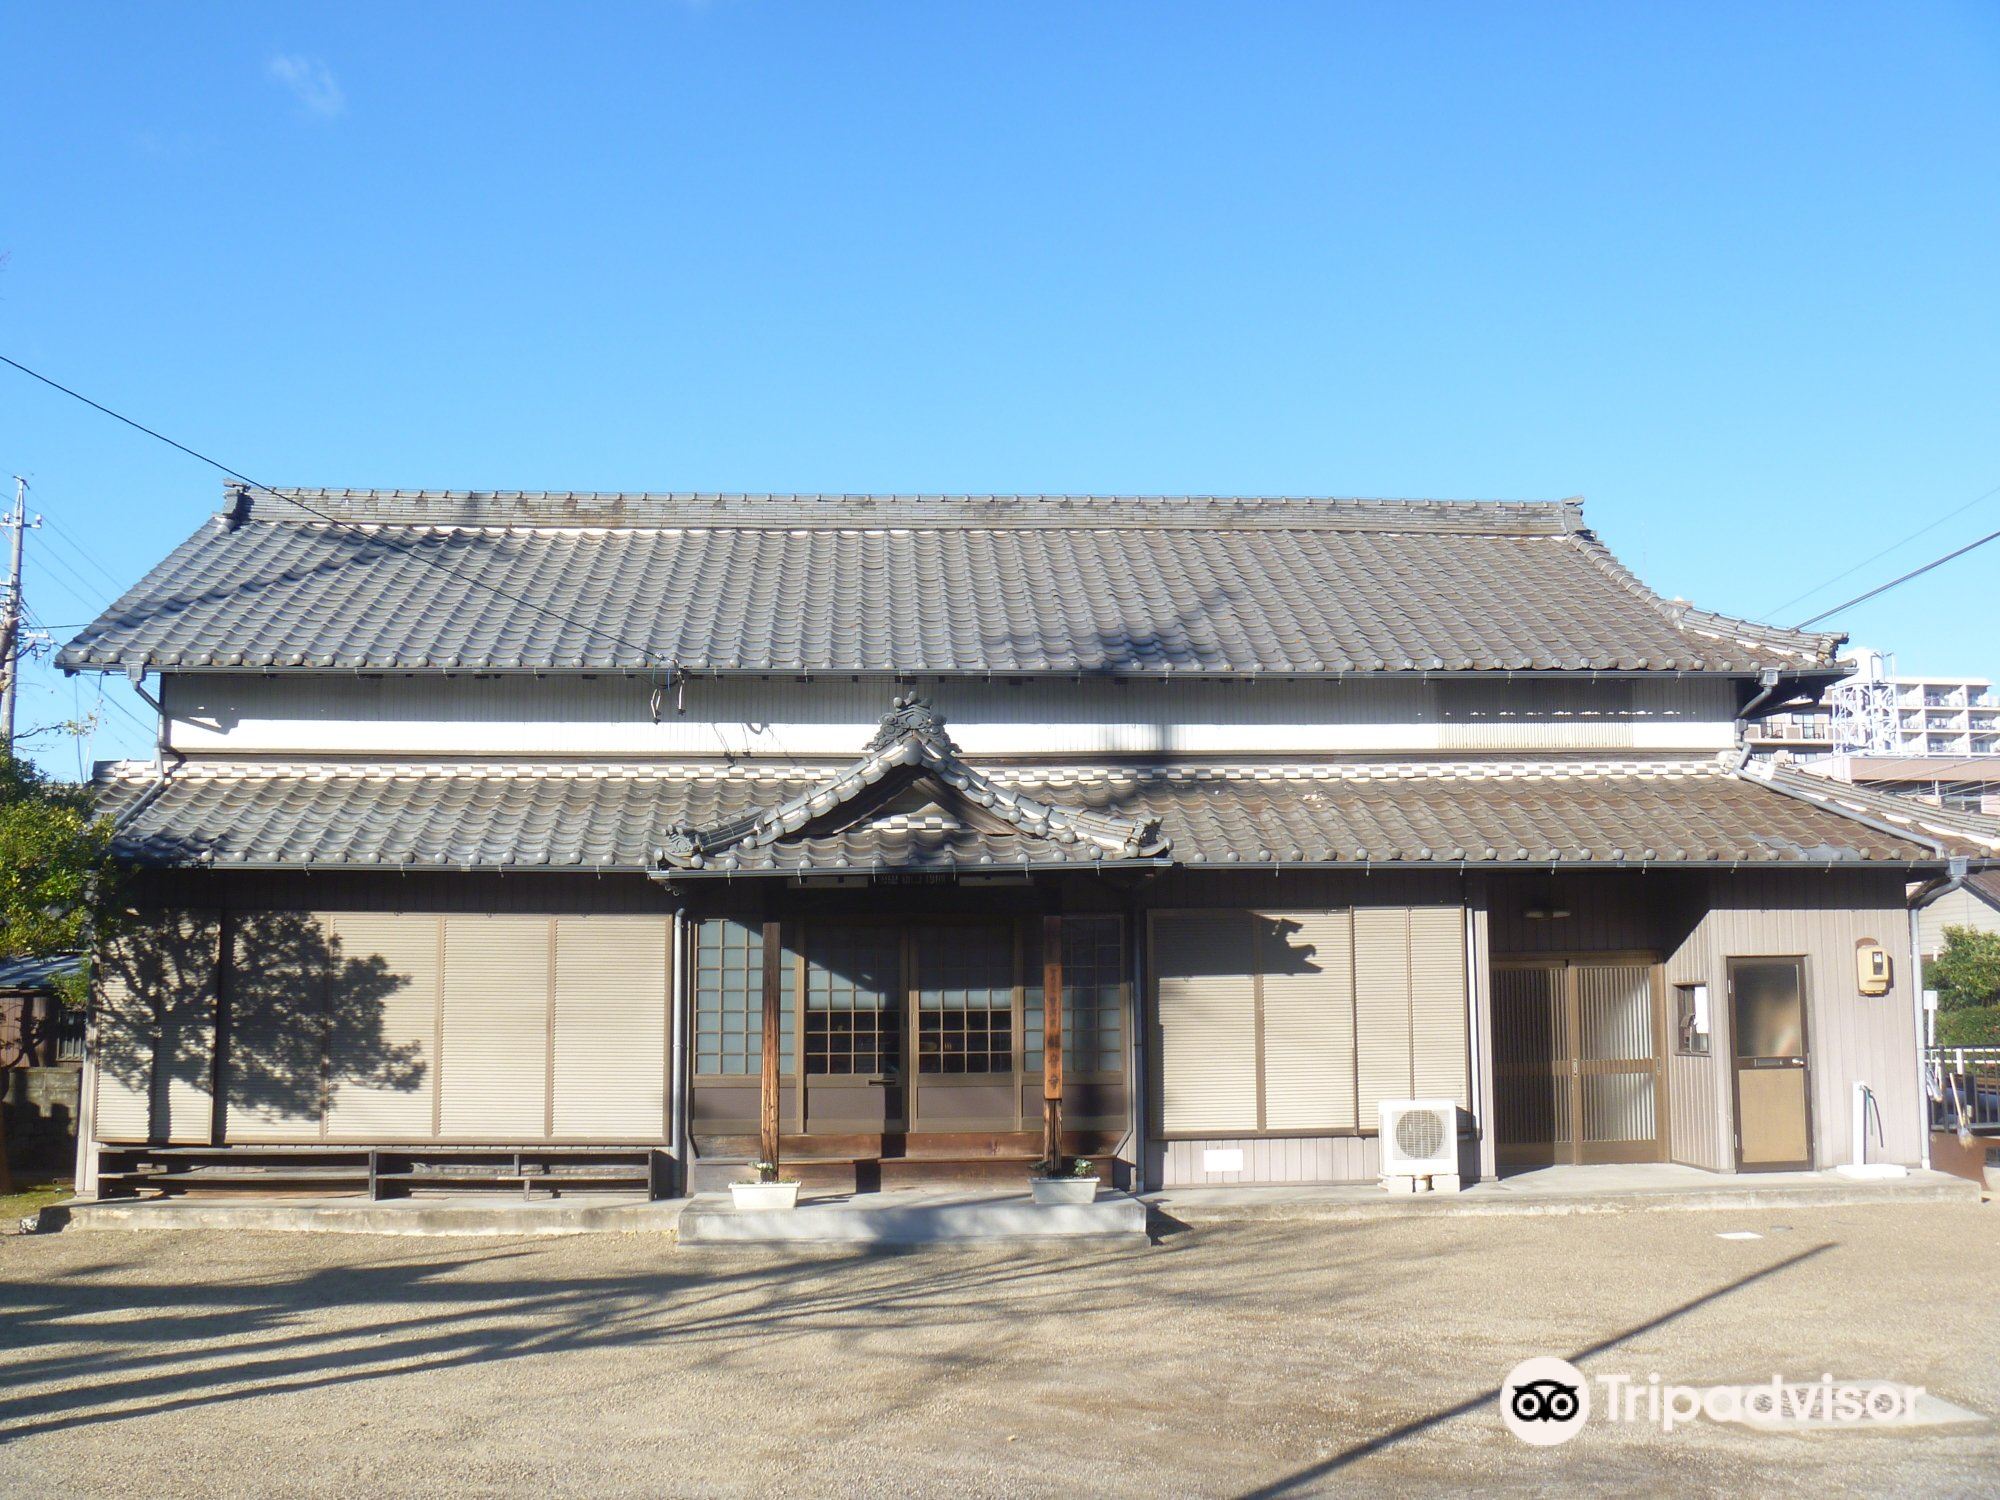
1964	1085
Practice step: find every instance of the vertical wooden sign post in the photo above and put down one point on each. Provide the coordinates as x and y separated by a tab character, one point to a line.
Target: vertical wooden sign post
767	1119
1052	1039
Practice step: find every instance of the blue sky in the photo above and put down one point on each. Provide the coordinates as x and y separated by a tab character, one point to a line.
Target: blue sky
1728	272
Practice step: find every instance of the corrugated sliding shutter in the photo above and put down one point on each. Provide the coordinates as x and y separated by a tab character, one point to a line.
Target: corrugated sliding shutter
122	1038
1381	1007
153	1031
611	1027
1437	1004
1204	966
382	1003
493	1076
1307	962
273	1061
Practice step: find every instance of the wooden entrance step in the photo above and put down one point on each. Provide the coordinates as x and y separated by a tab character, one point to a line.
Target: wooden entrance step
375	1172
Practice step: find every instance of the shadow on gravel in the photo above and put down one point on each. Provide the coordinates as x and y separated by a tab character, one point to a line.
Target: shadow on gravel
105	1344
1297	1480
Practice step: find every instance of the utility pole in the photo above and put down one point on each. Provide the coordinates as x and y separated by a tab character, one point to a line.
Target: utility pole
10	618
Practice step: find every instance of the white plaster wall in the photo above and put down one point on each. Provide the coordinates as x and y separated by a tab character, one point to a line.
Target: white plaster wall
831	718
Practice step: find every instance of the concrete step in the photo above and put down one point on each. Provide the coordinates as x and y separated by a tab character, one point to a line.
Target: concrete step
914	1217
1584	1190
494	1214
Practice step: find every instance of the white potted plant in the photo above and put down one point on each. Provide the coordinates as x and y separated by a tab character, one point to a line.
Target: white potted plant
770	1193
1077	1185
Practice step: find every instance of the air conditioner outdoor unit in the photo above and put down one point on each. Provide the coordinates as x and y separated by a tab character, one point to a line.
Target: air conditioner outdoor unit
1419	1145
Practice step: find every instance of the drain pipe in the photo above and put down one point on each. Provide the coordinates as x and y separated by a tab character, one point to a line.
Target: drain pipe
1767	681
677	1089
1956	868
1135	921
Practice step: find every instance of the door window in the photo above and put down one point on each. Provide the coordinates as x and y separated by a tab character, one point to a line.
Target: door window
965	1000
1770	1011
853	1018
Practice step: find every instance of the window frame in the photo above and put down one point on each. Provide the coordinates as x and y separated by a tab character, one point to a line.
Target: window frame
1683	1025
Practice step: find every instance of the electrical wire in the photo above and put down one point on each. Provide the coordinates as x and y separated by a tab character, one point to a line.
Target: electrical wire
374	537
84	590
79	549
1899	582
150	730
1778	609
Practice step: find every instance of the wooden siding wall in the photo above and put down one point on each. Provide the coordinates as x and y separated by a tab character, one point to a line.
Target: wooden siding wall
492	714
1959	908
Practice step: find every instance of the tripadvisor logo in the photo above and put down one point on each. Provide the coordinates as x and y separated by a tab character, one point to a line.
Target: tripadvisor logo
1545	1401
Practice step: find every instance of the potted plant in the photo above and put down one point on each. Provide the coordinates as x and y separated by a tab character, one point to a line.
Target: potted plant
769	1193
1077	1185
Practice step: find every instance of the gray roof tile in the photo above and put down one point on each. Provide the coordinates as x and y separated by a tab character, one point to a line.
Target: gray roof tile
568	816
909	584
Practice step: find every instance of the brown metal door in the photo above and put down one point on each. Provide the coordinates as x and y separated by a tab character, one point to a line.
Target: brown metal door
1618	1062
1532	1060
1578	1061
1767	998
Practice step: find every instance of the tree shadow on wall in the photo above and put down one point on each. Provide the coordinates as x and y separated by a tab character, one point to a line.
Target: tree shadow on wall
299	1019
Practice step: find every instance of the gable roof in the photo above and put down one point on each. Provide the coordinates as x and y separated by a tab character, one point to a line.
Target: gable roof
934	585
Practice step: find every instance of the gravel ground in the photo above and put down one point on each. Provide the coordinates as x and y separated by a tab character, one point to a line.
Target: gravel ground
1251	1359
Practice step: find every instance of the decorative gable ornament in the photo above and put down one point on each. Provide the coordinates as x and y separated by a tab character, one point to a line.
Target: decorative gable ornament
911	744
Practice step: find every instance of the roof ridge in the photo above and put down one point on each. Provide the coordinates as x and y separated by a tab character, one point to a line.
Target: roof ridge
698	509
1814	646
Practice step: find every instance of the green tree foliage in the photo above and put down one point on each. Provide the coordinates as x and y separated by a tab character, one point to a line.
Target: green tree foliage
1966	976
55	867
1967	972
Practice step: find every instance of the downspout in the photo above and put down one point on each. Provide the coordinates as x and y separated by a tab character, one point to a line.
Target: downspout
1475	1096
677	1088
163	743
1955	869
1768	680
1136	920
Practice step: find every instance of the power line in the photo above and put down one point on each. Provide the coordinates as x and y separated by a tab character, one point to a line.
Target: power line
138	723
86	591
363	531
1898	582
61	533
1778	609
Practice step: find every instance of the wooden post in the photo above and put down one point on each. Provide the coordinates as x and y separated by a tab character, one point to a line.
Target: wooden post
774	974
1052	1041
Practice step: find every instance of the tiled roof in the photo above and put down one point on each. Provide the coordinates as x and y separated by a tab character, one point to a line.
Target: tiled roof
910	746
37	974
909	584
1493	813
